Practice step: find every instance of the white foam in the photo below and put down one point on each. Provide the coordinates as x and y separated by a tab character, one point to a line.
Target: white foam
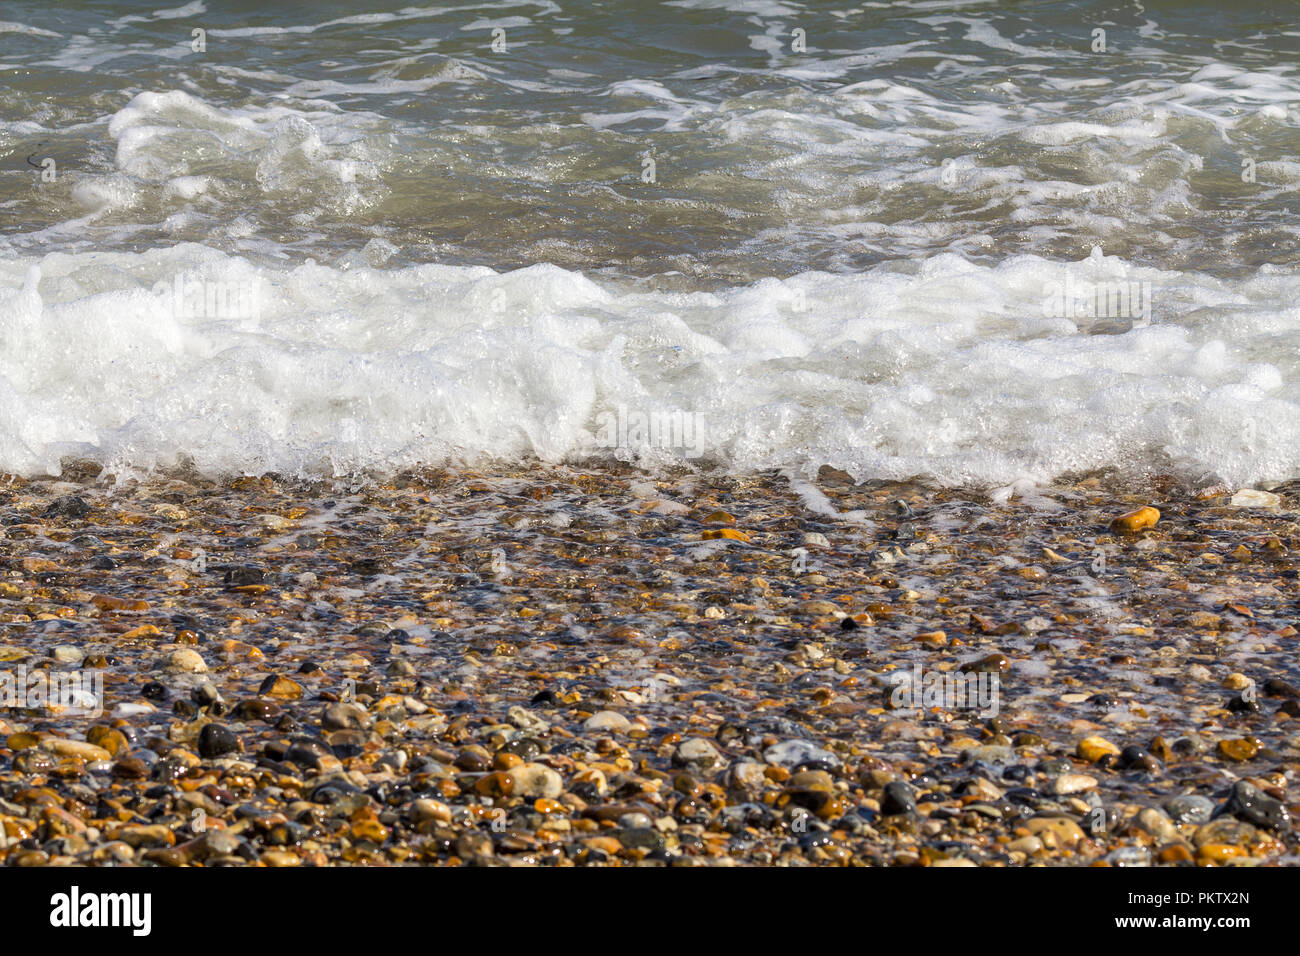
759	8
7	26
941	369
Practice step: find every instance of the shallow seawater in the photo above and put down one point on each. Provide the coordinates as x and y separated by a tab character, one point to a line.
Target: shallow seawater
958	240
603	621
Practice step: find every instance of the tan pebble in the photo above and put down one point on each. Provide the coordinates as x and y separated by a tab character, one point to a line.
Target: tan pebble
1158	824
1073	783
62	747
819	608
426	809
185	661
1132	521
1028	845
143	631
281	687
625	632
1175	853
112	740
1253	498
138	835
594	778
1093	749
984	790
280	858
106	602
605	844
933	639
607	721
729	533
1220	853
370	829
536	780
239	650
1064	831
1238	748
817	780
16	828
502	760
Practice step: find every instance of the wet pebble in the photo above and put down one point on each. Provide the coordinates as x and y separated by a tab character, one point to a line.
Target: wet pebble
217	740
898	798
697	752
185	661
1247	802
795	753
344	716
1191	808
608	722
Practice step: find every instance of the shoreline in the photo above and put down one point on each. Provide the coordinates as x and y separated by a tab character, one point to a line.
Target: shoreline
560	666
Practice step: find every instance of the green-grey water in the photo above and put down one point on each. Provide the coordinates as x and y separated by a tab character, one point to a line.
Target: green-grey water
834	230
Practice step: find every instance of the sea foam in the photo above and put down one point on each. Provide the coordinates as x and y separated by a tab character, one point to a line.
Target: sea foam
960	372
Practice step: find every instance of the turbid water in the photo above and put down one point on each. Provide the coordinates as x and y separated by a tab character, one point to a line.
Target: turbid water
1042	254
972	241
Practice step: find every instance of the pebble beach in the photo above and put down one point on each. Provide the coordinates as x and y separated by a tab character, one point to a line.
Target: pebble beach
715	433
595	667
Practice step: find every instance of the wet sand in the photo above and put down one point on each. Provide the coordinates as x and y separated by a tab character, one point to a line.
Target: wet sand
600	667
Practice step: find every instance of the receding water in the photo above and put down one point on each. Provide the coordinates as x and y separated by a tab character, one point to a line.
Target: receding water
836	234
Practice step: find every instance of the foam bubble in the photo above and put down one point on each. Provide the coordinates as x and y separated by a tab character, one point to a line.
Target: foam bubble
943	369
